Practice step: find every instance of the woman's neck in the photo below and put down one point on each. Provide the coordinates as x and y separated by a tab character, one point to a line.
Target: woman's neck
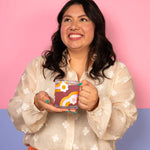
78	62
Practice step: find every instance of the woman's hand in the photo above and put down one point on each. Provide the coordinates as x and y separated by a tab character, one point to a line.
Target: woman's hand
88	96
40	102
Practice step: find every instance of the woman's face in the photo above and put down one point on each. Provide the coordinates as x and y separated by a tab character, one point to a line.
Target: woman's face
77	30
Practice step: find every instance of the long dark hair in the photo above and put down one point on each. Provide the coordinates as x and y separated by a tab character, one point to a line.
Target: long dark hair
101	47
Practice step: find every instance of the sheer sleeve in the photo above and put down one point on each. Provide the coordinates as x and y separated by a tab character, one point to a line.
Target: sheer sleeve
23	113
116	111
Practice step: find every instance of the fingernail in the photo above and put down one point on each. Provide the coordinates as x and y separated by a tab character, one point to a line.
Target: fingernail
79	84
67	111
47	101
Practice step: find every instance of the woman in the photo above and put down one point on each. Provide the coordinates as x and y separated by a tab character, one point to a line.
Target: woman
80	51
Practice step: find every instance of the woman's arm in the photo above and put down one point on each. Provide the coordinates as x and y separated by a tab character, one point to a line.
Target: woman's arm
117	111
23	113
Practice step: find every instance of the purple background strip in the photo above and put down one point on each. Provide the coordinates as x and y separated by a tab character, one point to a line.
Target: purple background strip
136	138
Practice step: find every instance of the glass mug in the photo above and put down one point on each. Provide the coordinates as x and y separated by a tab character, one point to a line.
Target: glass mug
66	94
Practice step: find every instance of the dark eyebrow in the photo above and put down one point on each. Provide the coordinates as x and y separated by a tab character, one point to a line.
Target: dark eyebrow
83	16
71	16
66	16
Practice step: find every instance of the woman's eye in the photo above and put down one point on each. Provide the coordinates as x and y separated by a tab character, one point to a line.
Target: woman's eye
84	19
67	20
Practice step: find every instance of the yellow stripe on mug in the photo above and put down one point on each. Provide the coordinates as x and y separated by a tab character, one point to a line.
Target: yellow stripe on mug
72	98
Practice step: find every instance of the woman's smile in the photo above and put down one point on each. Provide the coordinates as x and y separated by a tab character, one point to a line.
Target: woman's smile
75	36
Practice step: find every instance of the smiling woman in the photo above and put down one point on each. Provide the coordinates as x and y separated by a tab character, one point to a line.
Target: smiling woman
77	30
105	97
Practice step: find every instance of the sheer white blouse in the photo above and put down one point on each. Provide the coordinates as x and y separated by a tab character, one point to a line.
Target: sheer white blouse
95	130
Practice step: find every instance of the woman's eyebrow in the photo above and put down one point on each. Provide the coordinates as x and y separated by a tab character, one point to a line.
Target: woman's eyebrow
77	16
66	16
82	16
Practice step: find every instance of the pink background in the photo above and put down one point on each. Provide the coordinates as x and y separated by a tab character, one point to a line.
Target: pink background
26	27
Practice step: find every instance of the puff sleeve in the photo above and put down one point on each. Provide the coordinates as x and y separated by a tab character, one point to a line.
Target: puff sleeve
23	113
116	111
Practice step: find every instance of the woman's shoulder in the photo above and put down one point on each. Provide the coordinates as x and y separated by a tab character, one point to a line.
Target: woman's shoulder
119	65
116	68
37	61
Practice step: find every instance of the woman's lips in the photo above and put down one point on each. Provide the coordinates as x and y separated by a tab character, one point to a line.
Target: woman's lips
75	36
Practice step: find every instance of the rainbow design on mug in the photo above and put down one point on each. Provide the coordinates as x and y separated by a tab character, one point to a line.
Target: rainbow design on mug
66	94
70	99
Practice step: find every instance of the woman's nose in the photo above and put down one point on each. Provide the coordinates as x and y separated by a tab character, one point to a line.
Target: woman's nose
74	25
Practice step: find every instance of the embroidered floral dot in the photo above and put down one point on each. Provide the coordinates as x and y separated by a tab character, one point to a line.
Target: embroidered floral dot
25	106
19	110
27	137
36	65
65	124
23	76
35	138
75	146
12	119
55	138
85	131
122	65
113	92
123	119
26	91
110	74
132	93
126	79
94	147
100	87
117	79
126	104
116	137
25	130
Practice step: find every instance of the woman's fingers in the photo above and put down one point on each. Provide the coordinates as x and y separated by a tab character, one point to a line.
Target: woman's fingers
45	102
83	105
50	107
88	96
